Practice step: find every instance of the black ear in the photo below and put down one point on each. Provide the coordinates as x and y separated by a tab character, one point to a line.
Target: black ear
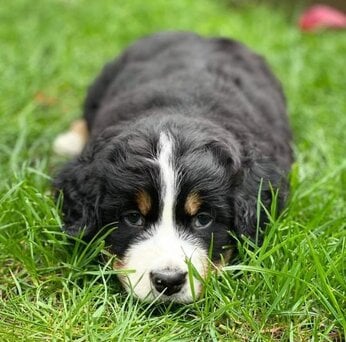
258	179
80	188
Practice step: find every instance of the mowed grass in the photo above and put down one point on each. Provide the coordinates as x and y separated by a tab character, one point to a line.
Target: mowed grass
292	288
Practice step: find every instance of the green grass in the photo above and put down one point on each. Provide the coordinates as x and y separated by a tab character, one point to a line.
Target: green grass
293	288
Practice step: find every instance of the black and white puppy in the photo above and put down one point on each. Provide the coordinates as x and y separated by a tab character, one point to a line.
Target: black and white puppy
183	134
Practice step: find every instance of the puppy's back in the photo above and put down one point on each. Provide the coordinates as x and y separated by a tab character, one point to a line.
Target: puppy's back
179	72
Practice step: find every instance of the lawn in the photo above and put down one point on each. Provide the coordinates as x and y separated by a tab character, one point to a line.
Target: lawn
292	288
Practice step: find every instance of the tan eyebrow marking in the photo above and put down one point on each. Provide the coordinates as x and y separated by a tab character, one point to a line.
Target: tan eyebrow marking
144	202
192	204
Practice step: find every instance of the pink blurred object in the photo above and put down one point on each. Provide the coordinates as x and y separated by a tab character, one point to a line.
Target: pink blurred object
320	16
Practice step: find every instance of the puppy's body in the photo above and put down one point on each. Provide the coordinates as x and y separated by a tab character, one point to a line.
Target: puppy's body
184	131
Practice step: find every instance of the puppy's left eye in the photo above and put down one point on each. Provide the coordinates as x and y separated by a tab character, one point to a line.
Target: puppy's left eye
202	220
133	218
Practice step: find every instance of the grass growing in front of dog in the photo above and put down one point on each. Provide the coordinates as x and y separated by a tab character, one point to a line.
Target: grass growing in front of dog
292	288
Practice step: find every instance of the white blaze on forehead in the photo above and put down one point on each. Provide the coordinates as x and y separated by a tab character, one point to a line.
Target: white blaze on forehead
164	248
168	181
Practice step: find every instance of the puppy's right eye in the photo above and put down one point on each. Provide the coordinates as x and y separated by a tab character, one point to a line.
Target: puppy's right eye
202	220
133	218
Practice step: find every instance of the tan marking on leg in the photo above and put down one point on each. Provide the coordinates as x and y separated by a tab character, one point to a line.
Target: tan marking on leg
72	142
80	126
144	202
192	204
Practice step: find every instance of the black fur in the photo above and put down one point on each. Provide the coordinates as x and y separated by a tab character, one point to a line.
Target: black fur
226	112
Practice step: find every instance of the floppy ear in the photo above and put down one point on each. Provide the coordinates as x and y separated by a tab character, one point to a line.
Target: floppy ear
259	180
81	196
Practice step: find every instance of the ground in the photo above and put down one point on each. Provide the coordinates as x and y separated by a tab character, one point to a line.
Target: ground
293	288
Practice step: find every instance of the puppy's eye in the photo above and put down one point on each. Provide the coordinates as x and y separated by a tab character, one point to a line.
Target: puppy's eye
133	218
202	220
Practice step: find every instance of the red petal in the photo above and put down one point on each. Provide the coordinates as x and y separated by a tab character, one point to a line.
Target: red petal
320	16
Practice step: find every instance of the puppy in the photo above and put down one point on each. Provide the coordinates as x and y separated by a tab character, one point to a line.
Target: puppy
183	135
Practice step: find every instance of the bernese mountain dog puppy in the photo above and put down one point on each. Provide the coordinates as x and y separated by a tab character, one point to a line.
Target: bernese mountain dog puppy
183	136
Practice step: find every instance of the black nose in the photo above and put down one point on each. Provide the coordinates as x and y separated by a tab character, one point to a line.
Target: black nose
168	281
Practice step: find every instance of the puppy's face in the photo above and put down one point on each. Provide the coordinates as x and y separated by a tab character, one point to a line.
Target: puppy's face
170	197
169	218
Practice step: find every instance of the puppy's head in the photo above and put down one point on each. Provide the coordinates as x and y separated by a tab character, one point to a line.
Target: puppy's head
174	190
